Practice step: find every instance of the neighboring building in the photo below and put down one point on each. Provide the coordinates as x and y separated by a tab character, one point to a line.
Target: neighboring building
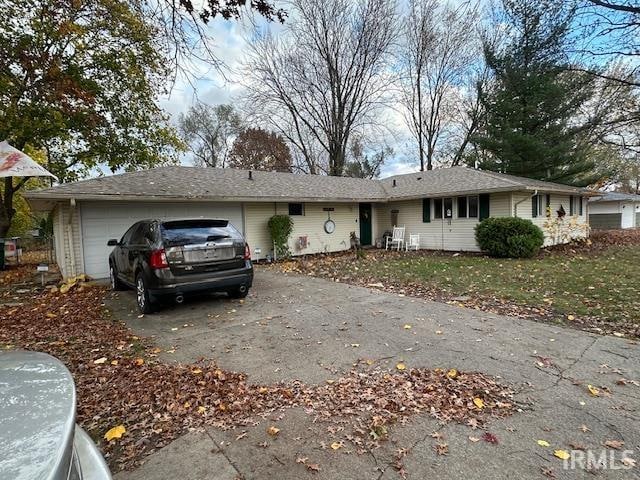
443	206
613	210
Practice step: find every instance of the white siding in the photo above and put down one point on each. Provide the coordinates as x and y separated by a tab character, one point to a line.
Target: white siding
311	225
555	231
68	240
455	234
604	207
256	216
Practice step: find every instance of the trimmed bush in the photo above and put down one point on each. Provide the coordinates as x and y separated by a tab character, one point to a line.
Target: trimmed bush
509	237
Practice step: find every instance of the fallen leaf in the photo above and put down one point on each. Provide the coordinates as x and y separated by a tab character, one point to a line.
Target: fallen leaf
201	409
407	327
478	402
442	449
628	462
616	444
562	454
115	432
114	362
100	361
543	443
401	366
474	439
314	467
585	429
593	390
273	431
196	371
336	445
490	438
452	373
139	361
571	318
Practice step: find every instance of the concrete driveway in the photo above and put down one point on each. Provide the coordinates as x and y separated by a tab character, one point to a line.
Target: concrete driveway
295	327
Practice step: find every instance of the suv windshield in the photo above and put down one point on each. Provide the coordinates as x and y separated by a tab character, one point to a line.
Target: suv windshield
184	232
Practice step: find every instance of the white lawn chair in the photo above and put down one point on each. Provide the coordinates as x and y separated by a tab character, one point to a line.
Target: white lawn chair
413	243
397	239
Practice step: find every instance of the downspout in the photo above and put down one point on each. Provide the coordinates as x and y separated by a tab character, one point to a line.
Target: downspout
72	253
515	206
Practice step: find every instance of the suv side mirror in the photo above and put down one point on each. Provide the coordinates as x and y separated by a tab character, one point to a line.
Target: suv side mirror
112	243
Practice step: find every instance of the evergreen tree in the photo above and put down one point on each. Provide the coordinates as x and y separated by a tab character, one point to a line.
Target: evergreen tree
533	124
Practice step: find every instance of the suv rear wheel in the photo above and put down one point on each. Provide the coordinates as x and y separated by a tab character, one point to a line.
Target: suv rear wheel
143	298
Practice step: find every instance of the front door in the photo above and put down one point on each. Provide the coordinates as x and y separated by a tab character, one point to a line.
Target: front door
365	224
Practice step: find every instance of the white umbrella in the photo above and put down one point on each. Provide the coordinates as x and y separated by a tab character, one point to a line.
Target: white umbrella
14	163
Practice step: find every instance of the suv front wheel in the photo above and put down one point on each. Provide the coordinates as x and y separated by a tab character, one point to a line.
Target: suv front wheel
113	277
143	298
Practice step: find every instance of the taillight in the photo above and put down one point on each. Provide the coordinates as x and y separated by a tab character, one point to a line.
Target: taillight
247	252
158	259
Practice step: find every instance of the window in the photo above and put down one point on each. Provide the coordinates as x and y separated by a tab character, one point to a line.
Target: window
537	209
462	207
575	205
190	232
473	207
468	207
126	238
296	209
138	236
448	208
437	208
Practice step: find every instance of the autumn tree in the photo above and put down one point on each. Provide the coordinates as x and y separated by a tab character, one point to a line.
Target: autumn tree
325	76
209	131
80	80
438	51
258	149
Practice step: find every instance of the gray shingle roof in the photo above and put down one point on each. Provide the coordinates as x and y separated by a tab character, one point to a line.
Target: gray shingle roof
178	182
218	183
451	181
615	197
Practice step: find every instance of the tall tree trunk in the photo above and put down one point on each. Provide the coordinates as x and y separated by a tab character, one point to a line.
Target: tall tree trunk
6	207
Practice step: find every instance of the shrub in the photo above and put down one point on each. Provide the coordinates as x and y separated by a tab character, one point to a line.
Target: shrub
280	227
509	237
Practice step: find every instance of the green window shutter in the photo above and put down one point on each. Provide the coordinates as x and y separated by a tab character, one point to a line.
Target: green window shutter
426	210
571	205
484	206
580	205
534	206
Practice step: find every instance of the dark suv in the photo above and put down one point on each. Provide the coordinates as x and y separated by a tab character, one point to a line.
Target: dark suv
173	258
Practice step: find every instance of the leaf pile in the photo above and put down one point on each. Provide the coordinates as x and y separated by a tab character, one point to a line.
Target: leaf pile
121	382
390	397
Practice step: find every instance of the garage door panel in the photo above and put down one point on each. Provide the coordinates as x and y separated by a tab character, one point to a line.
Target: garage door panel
104	221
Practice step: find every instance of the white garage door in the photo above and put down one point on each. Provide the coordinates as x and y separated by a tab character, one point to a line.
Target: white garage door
102	221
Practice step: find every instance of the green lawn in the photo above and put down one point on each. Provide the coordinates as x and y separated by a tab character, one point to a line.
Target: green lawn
603	285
